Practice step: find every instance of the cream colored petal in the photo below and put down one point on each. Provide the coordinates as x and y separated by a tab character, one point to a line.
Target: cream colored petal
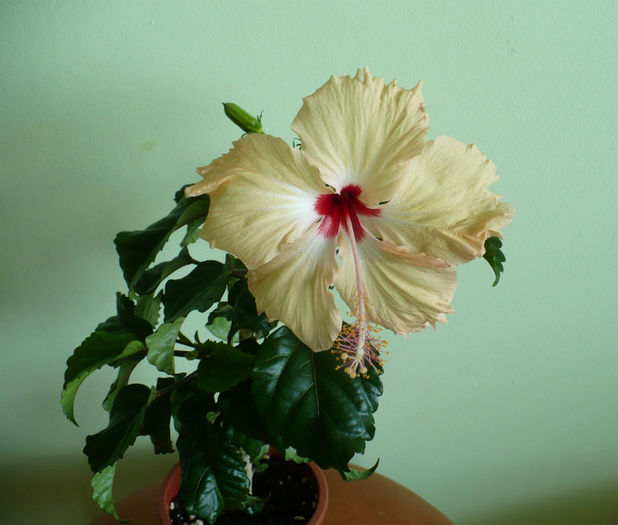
359	131
262	196
445	208
405	291
293	287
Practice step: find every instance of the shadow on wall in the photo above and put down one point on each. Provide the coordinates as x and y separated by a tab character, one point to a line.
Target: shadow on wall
588	506
57	491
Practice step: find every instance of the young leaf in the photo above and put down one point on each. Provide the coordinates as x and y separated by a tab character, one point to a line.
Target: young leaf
198	290
253	505
138	249
125	369
161	346
219	327
102	483
291	455
320	411
494	256
149	307
359	474
98	349
193	232
125	421
224	368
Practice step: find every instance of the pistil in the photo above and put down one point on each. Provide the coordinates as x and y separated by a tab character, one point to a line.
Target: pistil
360	287
357	344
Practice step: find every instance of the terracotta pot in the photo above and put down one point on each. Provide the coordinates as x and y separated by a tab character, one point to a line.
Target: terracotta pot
171	485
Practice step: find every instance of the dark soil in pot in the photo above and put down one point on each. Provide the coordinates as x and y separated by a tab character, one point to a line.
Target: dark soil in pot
292	493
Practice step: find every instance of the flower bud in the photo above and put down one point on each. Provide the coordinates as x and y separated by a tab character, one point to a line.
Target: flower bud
242	119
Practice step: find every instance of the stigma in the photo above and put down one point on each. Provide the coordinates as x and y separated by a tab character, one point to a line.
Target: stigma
343	209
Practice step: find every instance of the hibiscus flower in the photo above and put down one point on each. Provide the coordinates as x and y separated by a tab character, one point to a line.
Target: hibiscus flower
366	205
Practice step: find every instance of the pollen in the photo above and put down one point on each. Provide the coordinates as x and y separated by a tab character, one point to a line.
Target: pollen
358	348
358	345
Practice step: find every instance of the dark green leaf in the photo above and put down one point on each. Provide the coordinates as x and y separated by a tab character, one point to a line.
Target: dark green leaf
180	194
125	421
127	317
161	346
112	325
152	278
240	312
241	421
138	249
196	208
127	320
102	483
189	399
253	447
198	290
213	470
495	257
250	346
243	313
359	474
235	264
157	419
202	496
98	349
320	411
224	367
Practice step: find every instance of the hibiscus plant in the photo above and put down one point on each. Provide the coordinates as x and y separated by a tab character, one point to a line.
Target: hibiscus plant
360	205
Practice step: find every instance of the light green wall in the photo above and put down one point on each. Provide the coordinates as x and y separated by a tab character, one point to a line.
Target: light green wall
505	415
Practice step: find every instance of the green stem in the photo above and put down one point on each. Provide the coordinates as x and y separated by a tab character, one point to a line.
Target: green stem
183	381
184	340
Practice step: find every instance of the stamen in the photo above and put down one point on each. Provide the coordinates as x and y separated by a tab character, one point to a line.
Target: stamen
347	346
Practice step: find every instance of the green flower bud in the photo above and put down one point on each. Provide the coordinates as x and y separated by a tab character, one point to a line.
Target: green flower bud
242	119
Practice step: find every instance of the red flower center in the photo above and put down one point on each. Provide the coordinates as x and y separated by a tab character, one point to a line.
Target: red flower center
337	208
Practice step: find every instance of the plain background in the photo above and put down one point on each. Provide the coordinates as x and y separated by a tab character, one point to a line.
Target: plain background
507	414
